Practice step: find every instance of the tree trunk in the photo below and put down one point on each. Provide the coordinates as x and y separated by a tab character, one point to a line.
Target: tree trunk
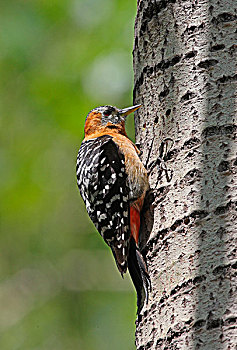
184	66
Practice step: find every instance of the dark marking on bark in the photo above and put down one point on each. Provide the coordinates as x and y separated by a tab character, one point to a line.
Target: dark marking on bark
191	54
172	334
149	344
219	130
207	63
167	113
161	66
184	287
224	17
161	235
176	224
223	166
199	279
187	96
160	193
191	177
187	221
217	47
223	209
172	153
199	214
221	232
190	143
230	321
226	79
152	10
199	324
164	93
220	270
192	29
213	324
178	329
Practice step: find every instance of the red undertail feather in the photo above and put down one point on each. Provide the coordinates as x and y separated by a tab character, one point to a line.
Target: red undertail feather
134	223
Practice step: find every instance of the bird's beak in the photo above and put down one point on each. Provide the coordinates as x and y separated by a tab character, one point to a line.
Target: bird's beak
126	111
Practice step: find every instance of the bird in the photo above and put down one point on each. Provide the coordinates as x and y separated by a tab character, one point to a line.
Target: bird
113	183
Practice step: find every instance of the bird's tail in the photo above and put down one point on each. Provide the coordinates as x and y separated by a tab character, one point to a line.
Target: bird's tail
139	274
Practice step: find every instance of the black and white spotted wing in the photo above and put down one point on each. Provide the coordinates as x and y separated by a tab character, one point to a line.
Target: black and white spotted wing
101	179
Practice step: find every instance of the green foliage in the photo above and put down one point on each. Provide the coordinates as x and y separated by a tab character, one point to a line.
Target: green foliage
59	286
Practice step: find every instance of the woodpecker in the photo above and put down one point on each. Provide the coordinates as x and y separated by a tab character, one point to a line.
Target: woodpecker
113	183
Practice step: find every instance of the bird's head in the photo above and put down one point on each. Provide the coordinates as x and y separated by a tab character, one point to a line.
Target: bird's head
107	117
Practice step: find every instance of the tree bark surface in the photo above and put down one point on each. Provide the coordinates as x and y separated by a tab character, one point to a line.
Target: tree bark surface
185	74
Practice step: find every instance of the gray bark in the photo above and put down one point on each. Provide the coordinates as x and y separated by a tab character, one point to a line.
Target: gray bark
185	71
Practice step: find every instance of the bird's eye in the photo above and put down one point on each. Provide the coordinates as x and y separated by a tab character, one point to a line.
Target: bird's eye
107	113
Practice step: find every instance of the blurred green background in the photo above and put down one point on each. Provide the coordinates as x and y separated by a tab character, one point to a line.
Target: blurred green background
59	286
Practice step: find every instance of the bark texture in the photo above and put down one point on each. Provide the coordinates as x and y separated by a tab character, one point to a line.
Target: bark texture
185	73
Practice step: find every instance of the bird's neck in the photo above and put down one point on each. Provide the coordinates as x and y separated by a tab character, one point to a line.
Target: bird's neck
94	128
